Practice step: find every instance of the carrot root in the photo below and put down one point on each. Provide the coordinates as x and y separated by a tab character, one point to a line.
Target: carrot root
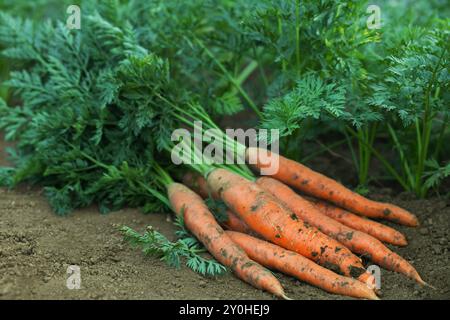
356	241
291	263
274	222
315	184
200	221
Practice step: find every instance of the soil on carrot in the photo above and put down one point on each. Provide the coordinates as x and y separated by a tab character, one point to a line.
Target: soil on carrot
36	248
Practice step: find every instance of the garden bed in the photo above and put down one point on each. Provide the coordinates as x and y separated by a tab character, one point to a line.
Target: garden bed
37	246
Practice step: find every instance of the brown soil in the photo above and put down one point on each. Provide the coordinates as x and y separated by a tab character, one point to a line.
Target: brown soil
36	247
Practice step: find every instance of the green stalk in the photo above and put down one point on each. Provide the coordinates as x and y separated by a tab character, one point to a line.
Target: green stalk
280	33
425	134
361	149
297	34
352	150
230	78
440	138
383	160
248	70
367	138
261	68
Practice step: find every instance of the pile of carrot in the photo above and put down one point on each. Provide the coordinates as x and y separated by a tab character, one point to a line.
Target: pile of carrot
317	236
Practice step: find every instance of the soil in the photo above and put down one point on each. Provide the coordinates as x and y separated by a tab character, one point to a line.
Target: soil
36	248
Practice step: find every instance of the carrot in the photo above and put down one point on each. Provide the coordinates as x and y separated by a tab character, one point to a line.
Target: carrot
235	223
356	241
199	185
293	264
375	229
274	222
315	184
200	221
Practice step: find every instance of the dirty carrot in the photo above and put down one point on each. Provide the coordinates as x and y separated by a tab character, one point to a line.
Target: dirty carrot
199	185
315	184
356	241
200	221
375	229
274	222
293	264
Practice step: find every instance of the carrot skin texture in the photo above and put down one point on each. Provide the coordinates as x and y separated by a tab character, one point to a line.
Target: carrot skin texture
270	219
315	184
200	221
375	229
199	185
236	224
356	241
294	264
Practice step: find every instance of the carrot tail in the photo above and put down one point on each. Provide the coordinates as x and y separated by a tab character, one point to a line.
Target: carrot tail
375	229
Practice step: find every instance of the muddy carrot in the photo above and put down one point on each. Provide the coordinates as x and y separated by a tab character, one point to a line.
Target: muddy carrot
315	184
200	221
293	264
375	229
199	185
356	241
274	222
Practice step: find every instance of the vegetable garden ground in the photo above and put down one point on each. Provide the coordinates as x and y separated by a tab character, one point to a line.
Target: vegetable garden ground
37	246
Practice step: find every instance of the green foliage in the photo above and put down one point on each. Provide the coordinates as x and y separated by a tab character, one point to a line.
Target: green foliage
83	105
310	98
417	79
92	109
416	88
185	248
436	174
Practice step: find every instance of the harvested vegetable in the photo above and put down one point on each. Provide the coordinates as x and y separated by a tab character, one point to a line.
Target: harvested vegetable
375	229
200	221
356	241
294	264
230	220
273	221
315	184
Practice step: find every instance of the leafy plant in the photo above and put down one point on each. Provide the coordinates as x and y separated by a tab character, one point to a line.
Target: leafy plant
186	248
416	89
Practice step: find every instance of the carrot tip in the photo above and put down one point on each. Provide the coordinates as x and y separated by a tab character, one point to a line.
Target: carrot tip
285	297
374	297
428	285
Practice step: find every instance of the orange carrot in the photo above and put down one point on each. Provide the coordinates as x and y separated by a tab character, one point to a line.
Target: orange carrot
199	185
273	221
200	221
293	264
356	241
315	184
235	223
375	229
